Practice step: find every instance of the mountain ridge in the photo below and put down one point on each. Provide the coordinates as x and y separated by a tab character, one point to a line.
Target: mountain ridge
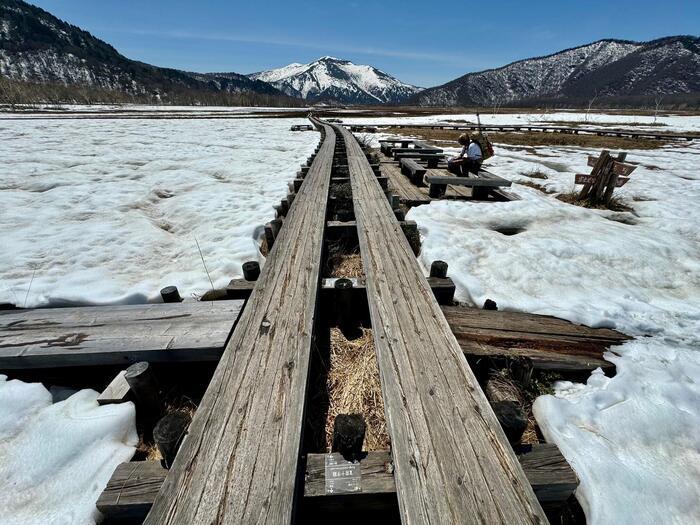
37	47
331	79
611	68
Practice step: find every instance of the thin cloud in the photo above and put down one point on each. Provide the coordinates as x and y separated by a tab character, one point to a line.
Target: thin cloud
412	55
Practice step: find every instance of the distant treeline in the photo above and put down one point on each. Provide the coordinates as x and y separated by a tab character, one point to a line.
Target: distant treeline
683	101
15	92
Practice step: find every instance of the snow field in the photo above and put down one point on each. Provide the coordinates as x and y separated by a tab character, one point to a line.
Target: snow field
664	122
107	211
632	439
56	458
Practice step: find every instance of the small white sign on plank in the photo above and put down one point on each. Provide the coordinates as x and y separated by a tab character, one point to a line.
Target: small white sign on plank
590	179
342	476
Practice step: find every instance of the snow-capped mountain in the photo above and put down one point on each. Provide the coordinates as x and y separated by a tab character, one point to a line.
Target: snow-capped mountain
335	80
607	68
37	47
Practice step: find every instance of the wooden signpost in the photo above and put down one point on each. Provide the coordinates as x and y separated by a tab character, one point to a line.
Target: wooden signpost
606	175
619	168
582	178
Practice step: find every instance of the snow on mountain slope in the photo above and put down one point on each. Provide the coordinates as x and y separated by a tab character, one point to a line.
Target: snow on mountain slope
607	68
333	79
35	46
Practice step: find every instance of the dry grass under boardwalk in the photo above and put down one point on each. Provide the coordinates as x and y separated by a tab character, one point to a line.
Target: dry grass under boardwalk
343	261
534	186
147	450
448	138
616	203
354	387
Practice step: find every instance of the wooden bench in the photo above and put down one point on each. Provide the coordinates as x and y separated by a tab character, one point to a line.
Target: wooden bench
481	183
387	145
413	171
432	159
416	150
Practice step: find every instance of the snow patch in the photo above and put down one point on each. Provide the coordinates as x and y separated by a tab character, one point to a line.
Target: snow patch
632	439
55	459
107	211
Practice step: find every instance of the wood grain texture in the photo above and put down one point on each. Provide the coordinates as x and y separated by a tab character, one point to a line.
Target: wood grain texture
134	485
116	392
238	463
131	490
102	335
453	462
550	343
467	181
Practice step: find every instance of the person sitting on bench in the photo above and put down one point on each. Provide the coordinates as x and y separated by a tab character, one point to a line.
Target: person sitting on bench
469	160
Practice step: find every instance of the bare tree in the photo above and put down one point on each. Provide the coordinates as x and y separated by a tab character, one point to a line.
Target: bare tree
590	104
657	104
497	103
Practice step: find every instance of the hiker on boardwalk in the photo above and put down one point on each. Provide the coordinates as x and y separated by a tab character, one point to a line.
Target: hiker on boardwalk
469	159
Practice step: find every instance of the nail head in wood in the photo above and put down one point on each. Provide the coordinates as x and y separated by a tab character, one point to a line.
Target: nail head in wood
251	270
143	384
170	294
512	419
168	434
438	269
490	305
348	435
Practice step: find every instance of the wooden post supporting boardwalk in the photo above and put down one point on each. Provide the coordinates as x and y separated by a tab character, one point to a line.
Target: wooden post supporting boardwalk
453	462
238	463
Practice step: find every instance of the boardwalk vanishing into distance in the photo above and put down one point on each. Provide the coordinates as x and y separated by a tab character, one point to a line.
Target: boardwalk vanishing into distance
246	456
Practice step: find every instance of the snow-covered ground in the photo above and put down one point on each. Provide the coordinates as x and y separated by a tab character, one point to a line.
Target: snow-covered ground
634	439
664	122
56	458
8	111
107	211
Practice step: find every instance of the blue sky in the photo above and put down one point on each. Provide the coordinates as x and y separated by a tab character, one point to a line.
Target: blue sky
424	43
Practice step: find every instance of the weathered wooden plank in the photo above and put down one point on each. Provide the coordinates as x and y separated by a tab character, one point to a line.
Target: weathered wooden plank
551	477
399	184
102	335
131	490
116	392
551	343
467	181
424	150
414	171
134	485
453	462
239	461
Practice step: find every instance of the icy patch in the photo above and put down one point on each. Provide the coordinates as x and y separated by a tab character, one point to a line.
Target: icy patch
55	459
633	439
107	211
566	261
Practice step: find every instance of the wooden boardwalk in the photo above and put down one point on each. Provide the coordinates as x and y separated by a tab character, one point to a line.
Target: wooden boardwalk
243	459
412	195
134	486
115	335
239	461
609	132
549	343
453	462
